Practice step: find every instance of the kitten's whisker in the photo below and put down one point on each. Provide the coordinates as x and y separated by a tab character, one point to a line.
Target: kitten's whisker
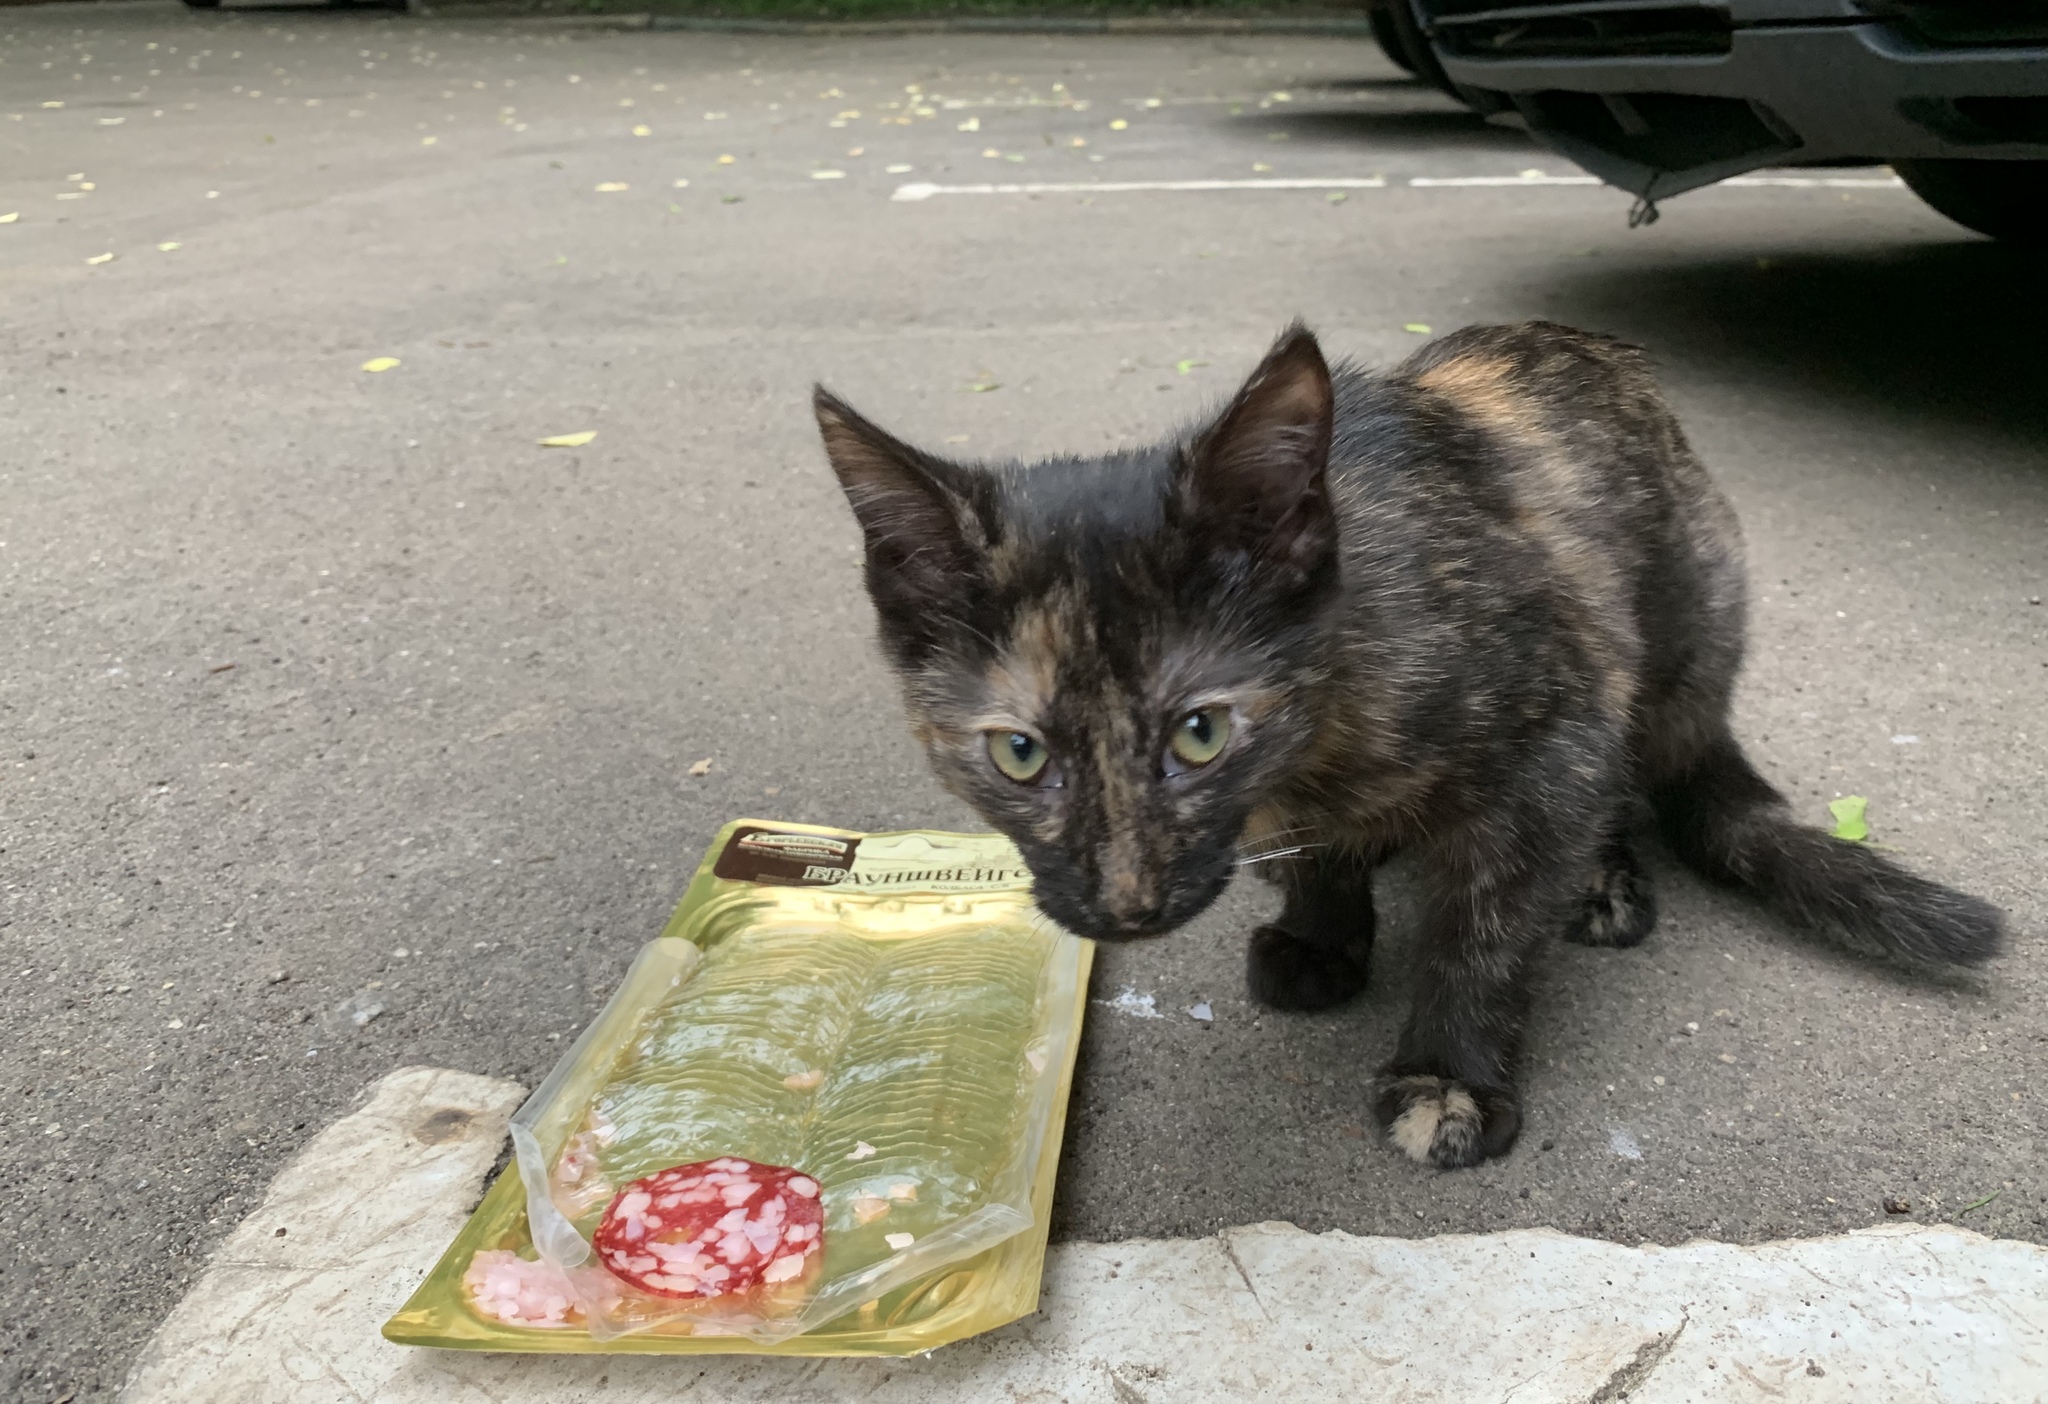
1269	856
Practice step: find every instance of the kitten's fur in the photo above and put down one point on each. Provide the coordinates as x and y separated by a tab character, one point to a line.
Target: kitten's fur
1487	607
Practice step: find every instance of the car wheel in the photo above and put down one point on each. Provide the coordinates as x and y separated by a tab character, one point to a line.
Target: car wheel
2005	199
1388	37
1415	44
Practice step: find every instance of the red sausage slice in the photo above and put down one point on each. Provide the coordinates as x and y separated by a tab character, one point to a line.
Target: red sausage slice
712	1229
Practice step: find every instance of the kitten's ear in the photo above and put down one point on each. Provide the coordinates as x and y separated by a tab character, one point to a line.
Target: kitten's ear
924	541
1253	483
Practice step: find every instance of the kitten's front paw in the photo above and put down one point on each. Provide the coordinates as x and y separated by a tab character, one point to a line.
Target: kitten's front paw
1441	1122
1287	972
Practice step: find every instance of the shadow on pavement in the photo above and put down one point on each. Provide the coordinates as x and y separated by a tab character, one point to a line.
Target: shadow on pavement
1423	129
1933	330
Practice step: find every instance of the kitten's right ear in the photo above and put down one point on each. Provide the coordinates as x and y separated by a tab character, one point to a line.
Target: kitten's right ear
924	541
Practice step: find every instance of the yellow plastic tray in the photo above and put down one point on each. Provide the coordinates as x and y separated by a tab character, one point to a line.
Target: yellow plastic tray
753	867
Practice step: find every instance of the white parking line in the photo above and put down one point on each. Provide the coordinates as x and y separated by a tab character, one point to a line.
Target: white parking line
924	190
1431	182
1820	182
1929	1314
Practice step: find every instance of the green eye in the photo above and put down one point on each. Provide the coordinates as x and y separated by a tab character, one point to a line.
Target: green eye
1199	737
1018	756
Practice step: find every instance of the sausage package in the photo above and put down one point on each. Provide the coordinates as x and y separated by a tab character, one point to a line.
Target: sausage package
821	1116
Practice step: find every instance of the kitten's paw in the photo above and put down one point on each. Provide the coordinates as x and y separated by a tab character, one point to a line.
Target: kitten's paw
1441	1122
1619	907
1287	972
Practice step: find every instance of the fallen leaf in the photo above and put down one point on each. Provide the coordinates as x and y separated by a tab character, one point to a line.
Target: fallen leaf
168	245
892	170
1186	366
1419	328
1980	1203
702	767
982	387
1848	812
972	124
727	160
682	183
612	187
828	175
576	440
1118	125
990	151
730	199
424	141
643	130
101	258
10	218
1336	197
53	104
377	365
112	121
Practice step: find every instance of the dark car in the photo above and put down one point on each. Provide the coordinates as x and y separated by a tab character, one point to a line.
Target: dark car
1662	96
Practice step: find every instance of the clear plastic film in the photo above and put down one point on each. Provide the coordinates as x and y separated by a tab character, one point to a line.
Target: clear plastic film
886	1014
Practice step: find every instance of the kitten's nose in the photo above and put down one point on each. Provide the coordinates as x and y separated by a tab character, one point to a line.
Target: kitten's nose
1131	900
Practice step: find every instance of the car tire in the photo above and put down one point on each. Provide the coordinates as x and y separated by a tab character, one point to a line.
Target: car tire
1387	36
2006	199
1415	44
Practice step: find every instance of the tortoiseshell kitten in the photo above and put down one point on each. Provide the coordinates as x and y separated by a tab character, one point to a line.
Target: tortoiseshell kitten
1487	607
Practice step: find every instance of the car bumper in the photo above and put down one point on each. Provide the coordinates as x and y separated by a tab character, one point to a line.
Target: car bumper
1778	94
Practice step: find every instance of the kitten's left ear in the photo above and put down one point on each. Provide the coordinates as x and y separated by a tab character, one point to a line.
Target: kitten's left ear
1254	482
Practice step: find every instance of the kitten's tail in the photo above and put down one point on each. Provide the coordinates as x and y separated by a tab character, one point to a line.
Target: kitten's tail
1727	823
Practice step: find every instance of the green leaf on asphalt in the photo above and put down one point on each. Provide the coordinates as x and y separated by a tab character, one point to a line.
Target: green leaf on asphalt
576	440
376	365
1419	328
1979	1204
982	387
1185	366
1848	812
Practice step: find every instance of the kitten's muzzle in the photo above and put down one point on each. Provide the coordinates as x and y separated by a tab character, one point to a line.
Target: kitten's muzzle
1098	920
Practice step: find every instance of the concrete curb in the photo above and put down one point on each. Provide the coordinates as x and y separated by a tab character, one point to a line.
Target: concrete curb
1910	1314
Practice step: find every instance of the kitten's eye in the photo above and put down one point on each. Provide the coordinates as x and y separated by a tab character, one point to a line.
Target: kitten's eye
1199	737
1018	756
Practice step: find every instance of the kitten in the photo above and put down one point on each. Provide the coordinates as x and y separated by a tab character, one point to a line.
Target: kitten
1486	607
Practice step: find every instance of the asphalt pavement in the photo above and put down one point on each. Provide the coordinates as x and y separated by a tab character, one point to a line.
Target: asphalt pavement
331	691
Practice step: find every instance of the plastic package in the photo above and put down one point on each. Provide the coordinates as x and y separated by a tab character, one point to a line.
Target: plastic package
884	1014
